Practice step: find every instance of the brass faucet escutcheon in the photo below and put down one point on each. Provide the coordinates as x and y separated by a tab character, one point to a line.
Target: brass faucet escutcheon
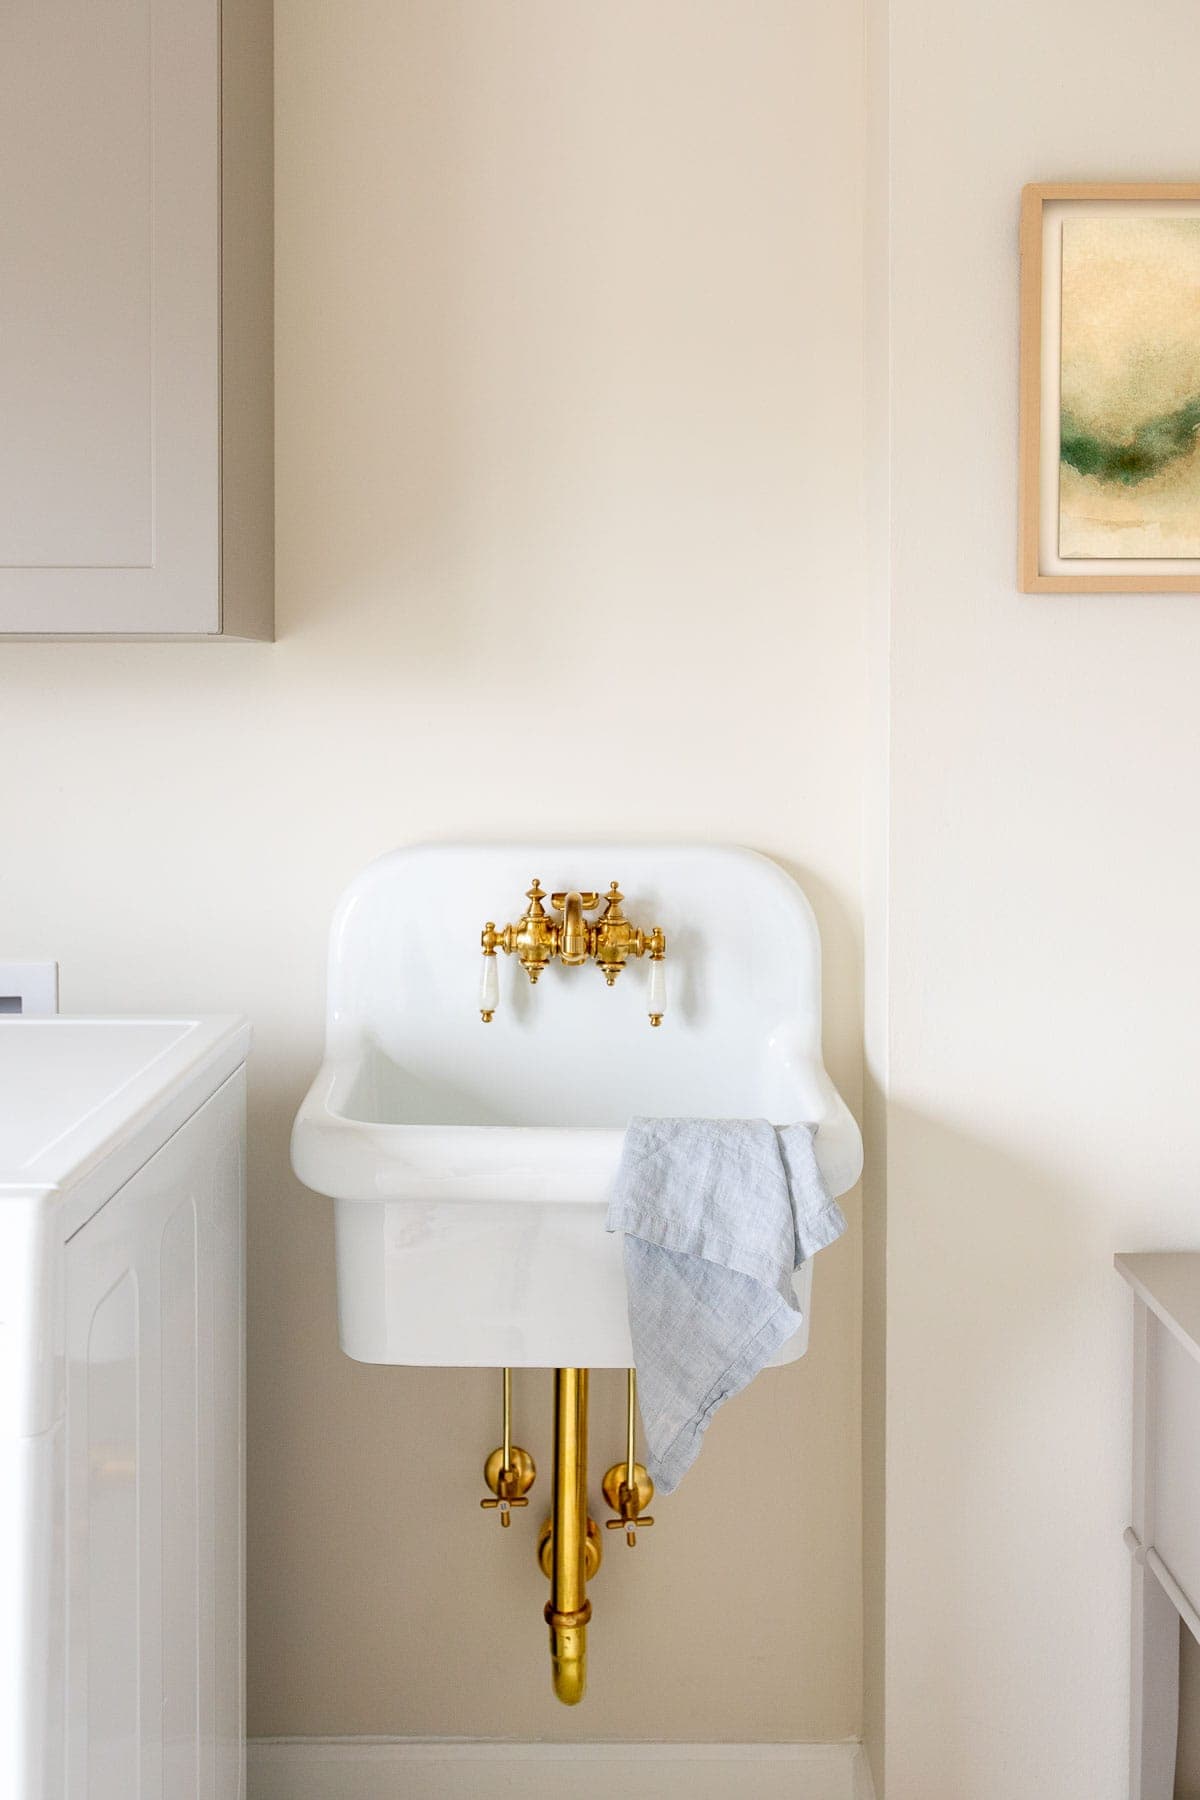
538	938
509	1471
593	1549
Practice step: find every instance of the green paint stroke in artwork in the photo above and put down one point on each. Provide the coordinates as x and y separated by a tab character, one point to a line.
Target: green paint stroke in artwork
1153	445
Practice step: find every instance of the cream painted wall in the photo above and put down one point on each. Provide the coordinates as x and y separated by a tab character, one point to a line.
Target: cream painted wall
1044	955
568	508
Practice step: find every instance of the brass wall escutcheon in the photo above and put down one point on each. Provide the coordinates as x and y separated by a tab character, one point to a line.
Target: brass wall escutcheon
593	1549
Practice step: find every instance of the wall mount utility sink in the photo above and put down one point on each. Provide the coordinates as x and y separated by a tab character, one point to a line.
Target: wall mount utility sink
471	1163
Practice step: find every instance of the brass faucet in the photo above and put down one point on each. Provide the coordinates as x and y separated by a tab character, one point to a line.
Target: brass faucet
536	939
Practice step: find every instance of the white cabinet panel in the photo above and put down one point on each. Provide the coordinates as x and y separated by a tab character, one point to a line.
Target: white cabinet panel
112	147
154	1432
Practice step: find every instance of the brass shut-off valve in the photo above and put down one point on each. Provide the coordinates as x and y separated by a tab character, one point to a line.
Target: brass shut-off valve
509	1471
627	1486
537	939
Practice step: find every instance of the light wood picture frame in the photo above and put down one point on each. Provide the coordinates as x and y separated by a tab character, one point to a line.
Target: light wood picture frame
1126	483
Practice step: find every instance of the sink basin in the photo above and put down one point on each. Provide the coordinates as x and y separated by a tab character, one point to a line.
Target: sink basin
471	1163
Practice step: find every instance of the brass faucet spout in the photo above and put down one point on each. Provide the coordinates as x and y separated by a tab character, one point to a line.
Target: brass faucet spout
573	932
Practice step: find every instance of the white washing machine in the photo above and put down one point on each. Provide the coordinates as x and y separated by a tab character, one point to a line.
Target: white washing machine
122	1181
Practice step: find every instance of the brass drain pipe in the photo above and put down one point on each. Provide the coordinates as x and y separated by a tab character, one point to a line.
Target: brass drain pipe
568	1608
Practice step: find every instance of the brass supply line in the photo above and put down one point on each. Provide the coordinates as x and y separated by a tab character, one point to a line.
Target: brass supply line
568	1608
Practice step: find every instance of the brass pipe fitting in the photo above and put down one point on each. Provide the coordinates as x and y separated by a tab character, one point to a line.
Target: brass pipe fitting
568	1608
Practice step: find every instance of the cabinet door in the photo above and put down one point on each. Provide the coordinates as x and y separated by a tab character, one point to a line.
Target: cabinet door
154	1475
110	316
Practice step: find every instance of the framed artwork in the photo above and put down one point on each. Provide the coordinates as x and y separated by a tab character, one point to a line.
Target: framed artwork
1110	388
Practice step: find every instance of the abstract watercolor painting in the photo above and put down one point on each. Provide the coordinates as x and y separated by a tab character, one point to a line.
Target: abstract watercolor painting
1129	479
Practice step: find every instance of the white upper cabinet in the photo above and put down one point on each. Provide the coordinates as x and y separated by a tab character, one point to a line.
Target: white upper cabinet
135	318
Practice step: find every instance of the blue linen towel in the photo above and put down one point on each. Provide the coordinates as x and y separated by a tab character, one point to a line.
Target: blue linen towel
717	1216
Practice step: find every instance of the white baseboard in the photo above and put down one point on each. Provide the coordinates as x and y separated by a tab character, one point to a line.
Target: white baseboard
411	1769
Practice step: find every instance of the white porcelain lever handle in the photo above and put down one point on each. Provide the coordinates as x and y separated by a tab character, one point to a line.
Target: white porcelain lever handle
489	987
656	998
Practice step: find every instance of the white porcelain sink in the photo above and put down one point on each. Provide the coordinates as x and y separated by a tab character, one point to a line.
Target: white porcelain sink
471	1162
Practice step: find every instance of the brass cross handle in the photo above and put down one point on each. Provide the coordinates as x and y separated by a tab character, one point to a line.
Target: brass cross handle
628	1501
